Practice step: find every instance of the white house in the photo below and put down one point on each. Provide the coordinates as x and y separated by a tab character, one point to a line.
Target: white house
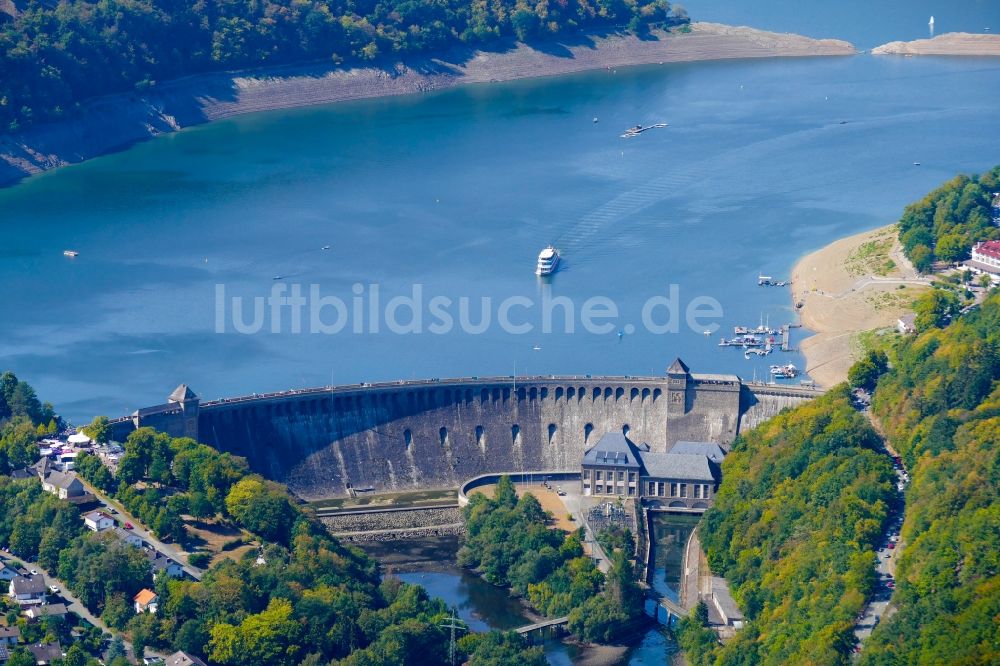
907	324
28	590
146	601
98	521
127	536
986	259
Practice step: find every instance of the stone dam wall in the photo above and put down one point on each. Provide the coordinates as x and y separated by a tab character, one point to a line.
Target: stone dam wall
437	434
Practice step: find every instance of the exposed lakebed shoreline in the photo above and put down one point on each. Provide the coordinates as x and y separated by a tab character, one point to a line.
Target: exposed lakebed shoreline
114	122
952	44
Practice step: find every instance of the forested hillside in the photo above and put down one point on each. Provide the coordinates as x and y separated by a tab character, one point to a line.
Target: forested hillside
803	501
52	56
940	407
804	497
300	597
944	224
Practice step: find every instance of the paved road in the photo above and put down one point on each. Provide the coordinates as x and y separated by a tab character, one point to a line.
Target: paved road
879	606
65	596
578	505
118	511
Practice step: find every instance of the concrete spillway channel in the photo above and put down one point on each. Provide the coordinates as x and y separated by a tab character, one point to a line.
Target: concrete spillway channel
393	524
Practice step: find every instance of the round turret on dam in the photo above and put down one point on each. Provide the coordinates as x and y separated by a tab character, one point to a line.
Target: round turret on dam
425	434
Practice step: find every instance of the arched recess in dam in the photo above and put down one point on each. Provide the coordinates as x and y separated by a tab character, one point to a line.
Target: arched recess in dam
434	434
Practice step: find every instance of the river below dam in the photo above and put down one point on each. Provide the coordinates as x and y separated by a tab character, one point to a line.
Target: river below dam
430	562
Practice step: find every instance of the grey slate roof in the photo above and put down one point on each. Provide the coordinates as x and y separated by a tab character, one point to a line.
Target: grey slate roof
46	610
678	367
64	481
46	653
29	585
714	452
686	461
681	466
182	393
615	449
183	659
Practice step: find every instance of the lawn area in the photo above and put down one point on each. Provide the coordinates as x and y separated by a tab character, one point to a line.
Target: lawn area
218	539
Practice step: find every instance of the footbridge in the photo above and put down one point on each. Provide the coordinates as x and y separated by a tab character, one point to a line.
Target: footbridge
436	433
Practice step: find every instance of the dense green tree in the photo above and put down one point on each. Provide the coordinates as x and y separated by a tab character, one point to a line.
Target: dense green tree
945	223
940	406
865	373
99	430
501	649
935	309
55	55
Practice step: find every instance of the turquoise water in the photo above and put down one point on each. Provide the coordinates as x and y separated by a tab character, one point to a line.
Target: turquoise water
457	191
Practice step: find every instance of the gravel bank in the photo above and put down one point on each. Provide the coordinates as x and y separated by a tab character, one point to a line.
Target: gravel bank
114	122
952	43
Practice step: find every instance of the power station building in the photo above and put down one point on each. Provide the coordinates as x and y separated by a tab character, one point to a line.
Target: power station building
684	478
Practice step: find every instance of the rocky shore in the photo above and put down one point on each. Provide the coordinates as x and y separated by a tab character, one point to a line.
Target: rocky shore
112	123
952	43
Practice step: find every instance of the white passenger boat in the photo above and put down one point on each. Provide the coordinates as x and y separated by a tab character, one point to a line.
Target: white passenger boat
548	260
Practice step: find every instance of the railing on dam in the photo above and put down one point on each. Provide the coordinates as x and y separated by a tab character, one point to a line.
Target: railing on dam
516	477
431	383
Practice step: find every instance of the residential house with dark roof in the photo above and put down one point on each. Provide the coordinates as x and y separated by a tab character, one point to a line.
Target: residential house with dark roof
62	485
160	564
10	636
48	610
28	590
684	478
46	653
183	659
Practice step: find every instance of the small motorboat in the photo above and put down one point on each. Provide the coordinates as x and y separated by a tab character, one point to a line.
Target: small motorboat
70	253
326	247
278	277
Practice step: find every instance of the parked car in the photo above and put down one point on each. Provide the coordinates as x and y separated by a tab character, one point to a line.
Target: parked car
129	526
33	572
53	589
892	545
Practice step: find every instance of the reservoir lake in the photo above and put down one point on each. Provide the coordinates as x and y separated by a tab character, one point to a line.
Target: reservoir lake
451	195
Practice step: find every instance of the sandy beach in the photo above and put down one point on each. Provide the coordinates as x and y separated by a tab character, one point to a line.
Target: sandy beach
859	283
112	123
952	43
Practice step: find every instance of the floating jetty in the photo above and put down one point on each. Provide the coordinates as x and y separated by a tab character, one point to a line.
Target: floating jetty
768	281
761	340
639	129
